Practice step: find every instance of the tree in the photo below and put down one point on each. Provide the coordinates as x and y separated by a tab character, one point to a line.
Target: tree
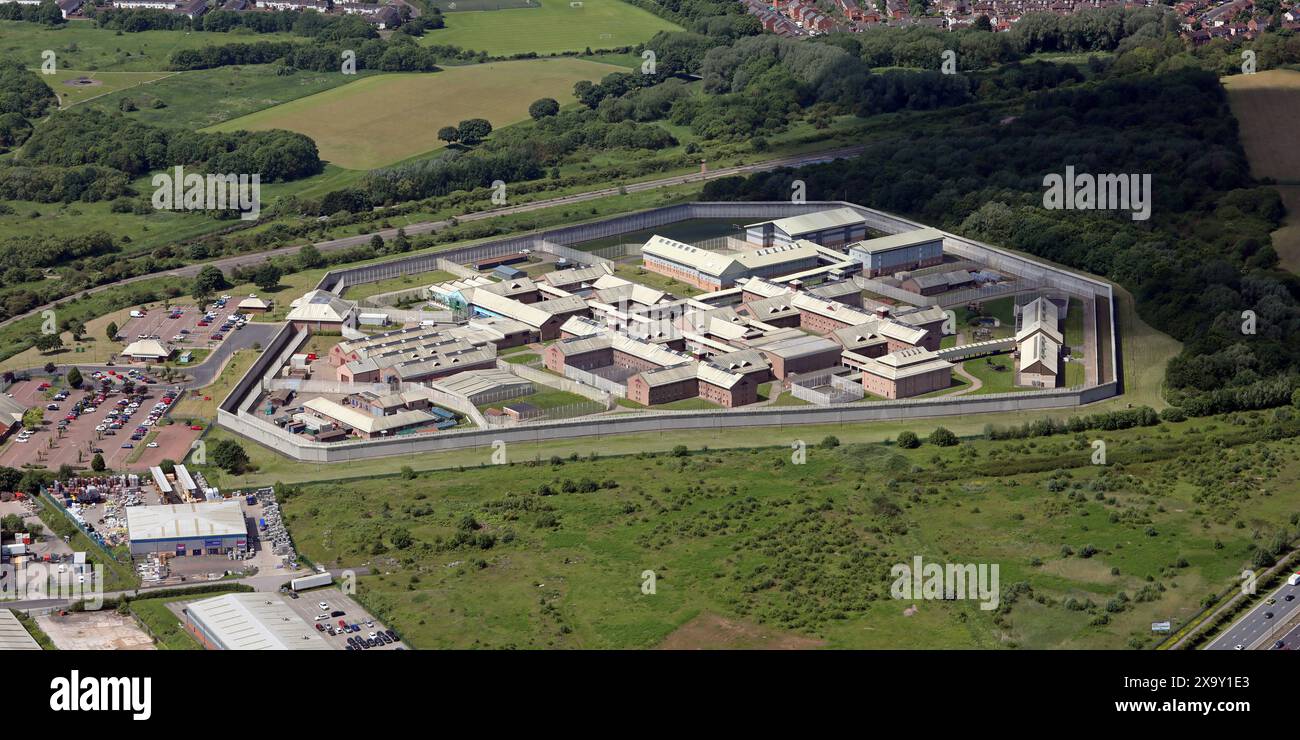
74	378
543	107
111	331
266	276
32	418
941	437
908	440
209	280
983	23
474	130
48	342
449	134
377	243
309	257
97	463
230	456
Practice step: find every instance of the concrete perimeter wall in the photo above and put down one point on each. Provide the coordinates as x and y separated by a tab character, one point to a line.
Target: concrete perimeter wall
232	412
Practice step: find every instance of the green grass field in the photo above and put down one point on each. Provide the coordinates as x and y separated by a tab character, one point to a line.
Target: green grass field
556	26
365	290
80	45
380	120
993	379
206	97
495	561
103	84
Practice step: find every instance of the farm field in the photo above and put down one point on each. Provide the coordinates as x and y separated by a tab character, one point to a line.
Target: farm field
380	120
554	27
552	554
81	45
1265	104
205	97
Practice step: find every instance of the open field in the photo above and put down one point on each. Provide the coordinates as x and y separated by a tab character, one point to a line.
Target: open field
101	84
1089	555
380	120
554	27
81	45
206	97
1266	104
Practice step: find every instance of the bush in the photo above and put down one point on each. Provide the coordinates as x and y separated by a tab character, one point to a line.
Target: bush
942	437
909	440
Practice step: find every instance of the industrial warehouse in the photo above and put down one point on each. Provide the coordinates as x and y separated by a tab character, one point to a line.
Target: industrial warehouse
765	319
208	528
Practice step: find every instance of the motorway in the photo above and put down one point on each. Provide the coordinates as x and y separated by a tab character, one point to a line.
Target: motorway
1256	630
426	227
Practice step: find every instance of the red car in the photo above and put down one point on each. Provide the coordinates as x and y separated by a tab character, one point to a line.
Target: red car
320	626
342	624
197	428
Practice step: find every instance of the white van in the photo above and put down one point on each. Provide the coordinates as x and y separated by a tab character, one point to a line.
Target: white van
1293	580
137	314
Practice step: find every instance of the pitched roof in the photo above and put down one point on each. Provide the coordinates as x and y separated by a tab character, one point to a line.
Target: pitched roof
897	241
817	221
320	305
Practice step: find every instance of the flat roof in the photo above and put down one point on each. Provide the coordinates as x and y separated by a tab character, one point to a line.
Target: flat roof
186	521
255	621
13	636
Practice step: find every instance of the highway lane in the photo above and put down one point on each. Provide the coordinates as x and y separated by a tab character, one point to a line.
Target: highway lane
1254	627
426	227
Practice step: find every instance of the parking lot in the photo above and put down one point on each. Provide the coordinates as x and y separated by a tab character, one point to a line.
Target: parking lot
307	605
181	327
74	443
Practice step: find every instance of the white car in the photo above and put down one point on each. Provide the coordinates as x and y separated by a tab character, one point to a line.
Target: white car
152	445
374	635
322	617
324	606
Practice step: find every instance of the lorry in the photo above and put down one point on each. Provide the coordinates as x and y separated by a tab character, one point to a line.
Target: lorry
312	581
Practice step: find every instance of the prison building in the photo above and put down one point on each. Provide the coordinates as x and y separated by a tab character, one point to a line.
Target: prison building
1039	316
369	426
521	289
387	404
576	280
832	228
692	380
751	363
777	311
609	348
484	386
1040	361
545	317
910	250
320	310
710	270
617	291
902	374
791	352
755	289
929	319
844	291
350	350
938	283
452	293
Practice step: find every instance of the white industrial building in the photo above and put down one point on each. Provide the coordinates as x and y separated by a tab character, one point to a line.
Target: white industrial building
208	528
250	621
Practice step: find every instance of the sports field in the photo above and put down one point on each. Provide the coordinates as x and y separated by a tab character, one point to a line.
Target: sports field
1266	104
380	120
555	26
